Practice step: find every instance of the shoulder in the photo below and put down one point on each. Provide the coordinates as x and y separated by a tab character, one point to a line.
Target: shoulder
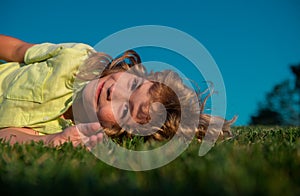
41	52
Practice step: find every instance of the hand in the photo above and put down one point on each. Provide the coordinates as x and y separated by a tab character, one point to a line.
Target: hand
90	133
86	133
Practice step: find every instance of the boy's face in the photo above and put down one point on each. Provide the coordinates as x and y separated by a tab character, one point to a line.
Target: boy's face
119	99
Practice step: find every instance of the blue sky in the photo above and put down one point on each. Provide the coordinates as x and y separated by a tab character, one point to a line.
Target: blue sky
253	42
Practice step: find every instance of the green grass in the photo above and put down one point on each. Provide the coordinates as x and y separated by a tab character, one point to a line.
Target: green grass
258	160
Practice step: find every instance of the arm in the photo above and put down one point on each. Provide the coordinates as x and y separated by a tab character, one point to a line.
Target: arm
12	49
70	134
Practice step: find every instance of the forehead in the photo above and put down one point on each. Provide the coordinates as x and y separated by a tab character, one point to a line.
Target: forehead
140	100
139	104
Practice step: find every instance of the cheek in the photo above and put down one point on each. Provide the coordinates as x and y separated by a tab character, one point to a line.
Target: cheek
106	116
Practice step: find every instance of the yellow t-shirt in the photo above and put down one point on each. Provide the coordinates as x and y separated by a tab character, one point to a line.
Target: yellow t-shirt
36	93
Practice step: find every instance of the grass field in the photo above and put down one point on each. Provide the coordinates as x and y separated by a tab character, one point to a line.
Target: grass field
258	160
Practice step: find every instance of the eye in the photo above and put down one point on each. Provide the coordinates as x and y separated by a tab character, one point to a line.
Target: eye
134	84
124	111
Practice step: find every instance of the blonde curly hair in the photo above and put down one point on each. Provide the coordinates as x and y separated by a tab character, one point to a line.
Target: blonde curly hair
165	83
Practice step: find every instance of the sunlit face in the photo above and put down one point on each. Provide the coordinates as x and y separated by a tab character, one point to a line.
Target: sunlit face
119	99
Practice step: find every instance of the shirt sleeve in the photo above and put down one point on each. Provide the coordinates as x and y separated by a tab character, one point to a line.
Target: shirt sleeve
42	52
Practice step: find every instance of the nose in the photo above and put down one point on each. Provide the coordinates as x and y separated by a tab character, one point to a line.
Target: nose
109	92
116	92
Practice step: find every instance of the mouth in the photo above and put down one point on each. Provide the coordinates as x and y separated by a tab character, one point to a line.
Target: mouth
98	93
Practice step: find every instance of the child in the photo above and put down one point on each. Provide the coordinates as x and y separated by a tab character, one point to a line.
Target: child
48	88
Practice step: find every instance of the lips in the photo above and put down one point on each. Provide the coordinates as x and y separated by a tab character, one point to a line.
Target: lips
98	92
